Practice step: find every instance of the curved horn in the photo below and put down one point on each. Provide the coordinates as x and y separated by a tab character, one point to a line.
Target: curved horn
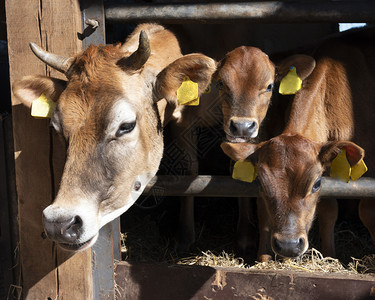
60	63
139	57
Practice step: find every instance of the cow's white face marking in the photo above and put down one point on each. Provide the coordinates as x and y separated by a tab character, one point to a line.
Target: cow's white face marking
122	113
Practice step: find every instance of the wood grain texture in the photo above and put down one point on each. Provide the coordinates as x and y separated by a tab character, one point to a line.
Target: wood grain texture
46	271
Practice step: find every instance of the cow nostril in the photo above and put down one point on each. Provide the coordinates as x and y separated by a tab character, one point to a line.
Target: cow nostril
288	247
242	128
78	221
232	128
252	125
70	231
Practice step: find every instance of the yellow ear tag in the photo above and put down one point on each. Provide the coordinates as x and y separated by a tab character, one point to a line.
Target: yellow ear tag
358	170
187	93
42	107
340	167
244	171
291	83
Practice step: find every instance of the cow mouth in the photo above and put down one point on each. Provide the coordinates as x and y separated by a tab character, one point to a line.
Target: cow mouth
76	247
237	139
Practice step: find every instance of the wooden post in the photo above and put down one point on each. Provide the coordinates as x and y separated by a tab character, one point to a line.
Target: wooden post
46	272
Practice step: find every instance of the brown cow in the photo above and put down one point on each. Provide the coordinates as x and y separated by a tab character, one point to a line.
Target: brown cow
335	104
108	115
246	77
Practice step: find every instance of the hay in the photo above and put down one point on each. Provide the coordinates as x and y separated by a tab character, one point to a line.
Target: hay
210	259
366	265
149	238
311	261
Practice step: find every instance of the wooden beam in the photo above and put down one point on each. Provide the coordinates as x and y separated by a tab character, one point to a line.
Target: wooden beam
46	272
163	281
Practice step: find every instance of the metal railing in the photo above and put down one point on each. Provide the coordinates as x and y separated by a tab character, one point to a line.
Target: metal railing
266	11
225	186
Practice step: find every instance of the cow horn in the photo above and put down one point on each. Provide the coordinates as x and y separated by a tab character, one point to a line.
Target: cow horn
60	63
139	57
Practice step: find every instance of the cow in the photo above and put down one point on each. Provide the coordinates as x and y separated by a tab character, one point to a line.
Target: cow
111	111
330	113
246	78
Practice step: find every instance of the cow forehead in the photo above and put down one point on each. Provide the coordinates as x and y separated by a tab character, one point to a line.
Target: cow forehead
96	86
247	62
91	108
287	167
289	154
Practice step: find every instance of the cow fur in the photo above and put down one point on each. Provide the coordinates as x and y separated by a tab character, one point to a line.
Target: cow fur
108	165
335	104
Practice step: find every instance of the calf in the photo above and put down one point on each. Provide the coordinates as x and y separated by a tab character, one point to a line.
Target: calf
246	78
110	115
335	104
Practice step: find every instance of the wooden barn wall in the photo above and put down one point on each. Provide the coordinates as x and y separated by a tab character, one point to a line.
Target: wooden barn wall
47	273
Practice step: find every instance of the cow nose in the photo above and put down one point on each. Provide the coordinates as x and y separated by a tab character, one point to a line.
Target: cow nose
289	247
242	128
63	231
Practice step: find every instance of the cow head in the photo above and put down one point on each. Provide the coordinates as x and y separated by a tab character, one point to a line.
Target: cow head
289	169
108	115
246	79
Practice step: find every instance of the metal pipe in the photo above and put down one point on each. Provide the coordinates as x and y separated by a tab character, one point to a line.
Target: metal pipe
266	12
225	186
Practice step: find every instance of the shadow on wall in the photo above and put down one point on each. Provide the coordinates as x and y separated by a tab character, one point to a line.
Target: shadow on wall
5	102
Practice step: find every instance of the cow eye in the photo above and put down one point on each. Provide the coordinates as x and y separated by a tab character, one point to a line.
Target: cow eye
317	185
125	128
269	87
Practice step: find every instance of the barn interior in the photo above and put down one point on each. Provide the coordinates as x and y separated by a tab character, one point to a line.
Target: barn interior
149	227
156	216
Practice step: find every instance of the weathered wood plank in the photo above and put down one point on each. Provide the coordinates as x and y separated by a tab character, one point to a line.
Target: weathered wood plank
30	138
158	281
47	272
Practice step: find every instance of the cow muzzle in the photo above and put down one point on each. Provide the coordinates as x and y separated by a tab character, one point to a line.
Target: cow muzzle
289	246
68	231
242	129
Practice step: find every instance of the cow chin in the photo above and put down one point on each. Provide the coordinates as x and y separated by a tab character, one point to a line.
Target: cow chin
79	247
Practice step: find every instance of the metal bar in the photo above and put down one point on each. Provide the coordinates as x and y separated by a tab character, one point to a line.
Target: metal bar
266	12
107	248
225	186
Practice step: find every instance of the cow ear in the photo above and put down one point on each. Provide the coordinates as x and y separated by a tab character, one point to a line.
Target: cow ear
239	151
329	151
198	67
304	65
30	88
